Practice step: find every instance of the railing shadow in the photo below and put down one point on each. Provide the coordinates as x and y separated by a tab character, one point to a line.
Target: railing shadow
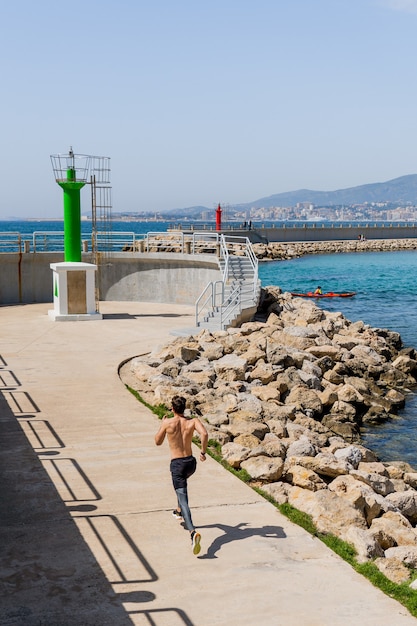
48	574
239	533
162	617
57	568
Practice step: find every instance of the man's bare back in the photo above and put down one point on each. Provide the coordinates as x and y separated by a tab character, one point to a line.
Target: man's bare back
180	430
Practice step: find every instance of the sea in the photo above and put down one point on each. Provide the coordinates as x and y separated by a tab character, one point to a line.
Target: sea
386	297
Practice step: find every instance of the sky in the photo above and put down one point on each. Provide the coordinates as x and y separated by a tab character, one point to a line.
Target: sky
198	103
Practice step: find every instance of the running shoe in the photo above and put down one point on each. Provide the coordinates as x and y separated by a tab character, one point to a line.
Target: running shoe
177	514
195	542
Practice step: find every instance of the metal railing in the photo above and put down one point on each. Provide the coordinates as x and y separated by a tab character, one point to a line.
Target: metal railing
178	241
116	241
10	241
210	299
235	294
53	241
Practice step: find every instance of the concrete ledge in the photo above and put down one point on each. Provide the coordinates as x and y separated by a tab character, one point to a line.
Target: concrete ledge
79	317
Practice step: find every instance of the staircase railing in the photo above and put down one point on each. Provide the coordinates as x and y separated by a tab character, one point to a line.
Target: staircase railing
234	294
209	300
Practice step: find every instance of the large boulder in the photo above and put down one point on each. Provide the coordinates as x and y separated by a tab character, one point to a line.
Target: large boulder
264	468
329	512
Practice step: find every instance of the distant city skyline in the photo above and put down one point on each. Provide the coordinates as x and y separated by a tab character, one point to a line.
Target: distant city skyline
200	103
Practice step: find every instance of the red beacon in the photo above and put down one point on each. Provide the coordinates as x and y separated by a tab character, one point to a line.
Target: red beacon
219	218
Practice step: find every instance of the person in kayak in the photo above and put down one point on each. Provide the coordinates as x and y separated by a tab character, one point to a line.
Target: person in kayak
318	291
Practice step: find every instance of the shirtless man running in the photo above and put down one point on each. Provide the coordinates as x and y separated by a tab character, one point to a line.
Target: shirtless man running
180	430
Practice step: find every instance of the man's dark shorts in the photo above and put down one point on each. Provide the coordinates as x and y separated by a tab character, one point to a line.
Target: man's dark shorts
181	469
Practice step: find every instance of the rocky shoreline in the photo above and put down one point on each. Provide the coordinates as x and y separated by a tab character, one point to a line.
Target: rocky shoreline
284	399
275	251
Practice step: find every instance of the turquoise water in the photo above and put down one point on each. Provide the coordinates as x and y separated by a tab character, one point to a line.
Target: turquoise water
385	283
386	298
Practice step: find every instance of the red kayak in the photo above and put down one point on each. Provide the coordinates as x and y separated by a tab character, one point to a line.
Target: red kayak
329	294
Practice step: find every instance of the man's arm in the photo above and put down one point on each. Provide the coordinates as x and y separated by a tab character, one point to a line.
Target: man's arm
160	435
201	429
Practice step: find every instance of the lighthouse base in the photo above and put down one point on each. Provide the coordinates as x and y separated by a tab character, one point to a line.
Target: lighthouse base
74	292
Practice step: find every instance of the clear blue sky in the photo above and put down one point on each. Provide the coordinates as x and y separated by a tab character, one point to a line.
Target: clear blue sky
204	102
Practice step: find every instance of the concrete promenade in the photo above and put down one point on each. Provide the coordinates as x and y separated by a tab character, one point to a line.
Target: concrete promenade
86	532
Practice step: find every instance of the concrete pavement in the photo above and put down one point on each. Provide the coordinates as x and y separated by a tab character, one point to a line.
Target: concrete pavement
86	532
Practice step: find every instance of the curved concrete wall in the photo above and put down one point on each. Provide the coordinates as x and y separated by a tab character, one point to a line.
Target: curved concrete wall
27	278
159	277
124	276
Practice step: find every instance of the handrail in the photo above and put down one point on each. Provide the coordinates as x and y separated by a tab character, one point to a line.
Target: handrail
10	239
231	306
54	239
201	305
242	293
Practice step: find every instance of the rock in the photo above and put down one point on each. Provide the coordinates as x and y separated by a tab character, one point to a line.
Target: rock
380	484
393	569
328	397
364	543
264	372
393	529
303	398
216	419
273	446
302	477
264	468
404	364
277	427
243	427
324	464
350	454
406	503
231	367
142	370
405	554
329	513
348	393
347	430
301	447
187	352
234	454
410	478
266	393
373	467
359	495
212	350
249	441
278	491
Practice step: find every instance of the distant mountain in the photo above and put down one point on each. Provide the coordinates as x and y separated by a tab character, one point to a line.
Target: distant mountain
399	190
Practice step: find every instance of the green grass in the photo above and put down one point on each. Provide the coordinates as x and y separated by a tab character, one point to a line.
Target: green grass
400	592
159	409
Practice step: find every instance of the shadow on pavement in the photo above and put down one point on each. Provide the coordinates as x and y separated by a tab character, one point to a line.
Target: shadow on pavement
239	533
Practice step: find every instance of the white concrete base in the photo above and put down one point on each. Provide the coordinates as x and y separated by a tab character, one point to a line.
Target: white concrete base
74	292
81	317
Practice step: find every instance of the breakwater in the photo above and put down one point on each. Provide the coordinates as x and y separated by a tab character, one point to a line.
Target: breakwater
326	232
276	251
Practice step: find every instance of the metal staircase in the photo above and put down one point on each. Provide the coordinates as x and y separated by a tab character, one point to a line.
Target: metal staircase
235	298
